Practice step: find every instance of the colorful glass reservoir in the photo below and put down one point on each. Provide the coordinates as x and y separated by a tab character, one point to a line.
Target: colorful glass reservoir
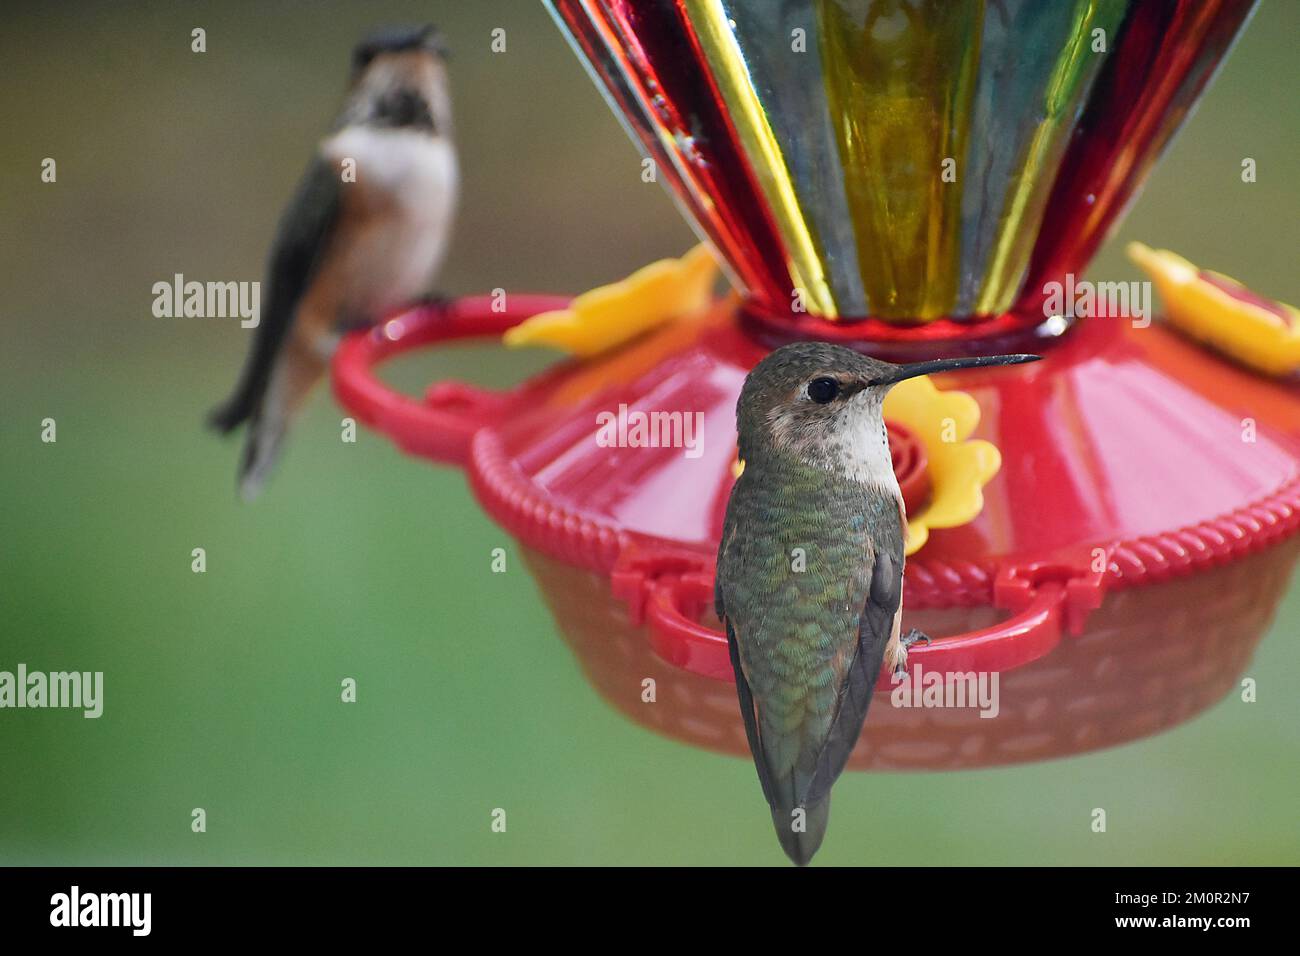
901	159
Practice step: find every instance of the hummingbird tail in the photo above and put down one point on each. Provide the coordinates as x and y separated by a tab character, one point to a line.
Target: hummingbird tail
261	452
801	831
268	424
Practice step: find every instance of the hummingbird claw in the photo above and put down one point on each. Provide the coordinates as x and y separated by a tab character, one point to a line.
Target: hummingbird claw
900	655
914	637
896	651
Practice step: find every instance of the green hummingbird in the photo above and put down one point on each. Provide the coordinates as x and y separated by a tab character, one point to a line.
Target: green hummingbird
810	568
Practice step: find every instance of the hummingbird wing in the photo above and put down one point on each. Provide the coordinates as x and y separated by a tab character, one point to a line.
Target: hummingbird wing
304	232
874	630
750	716
807	642
743	692
858	683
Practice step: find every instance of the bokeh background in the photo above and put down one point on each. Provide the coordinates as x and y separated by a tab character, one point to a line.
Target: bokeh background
222	689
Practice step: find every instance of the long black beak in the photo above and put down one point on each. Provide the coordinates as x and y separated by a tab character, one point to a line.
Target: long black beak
913	369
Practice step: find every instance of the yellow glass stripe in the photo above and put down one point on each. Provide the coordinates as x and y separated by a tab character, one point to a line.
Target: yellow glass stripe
899	80
710	22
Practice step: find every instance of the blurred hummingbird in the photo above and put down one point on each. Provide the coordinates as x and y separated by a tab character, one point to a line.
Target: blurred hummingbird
810	568
365	233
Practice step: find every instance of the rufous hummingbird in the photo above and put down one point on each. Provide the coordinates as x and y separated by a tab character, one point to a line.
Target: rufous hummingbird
810	568
365	233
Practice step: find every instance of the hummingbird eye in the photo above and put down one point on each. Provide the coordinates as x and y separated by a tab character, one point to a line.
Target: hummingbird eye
823	390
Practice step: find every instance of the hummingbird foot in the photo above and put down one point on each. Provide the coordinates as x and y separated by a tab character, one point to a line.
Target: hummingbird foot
914	637
898	652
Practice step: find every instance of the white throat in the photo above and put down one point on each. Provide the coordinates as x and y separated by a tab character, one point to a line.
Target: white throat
860	449
412	166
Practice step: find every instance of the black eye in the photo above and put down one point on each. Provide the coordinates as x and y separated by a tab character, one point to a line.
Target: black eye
823	390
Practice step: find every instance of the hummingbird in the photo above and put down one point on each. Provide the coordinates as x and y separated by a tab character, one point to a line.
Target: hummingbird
366	232
809	579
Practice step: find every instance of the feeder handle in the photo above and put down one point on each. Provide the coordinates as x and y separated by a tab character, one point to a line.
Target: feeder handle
1022	638
441	426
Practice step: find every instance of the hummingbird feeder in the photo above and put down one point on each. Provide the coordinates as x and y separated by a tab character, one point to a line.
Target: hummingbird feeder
909	178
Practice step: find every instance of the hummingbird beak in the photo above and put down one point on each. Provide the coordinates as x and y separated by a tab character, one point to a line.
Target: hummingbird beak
913	369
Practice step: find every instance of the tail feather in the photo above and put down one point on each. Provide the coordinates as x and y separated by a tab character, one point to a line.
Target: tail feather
266	428
801	834
262	448
269	408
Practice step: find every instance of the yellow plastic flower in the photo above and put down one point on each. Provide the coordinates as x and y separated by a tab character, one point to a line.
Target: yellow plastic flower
1223	313
609	315
959	468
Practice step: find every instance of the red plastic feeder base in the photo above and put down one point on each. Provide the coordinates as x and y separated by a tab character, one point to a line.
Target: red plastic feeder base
1130	554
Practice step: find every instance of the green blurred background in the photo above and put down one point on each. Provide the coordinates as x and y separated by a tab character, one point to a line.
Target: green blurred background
222	689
